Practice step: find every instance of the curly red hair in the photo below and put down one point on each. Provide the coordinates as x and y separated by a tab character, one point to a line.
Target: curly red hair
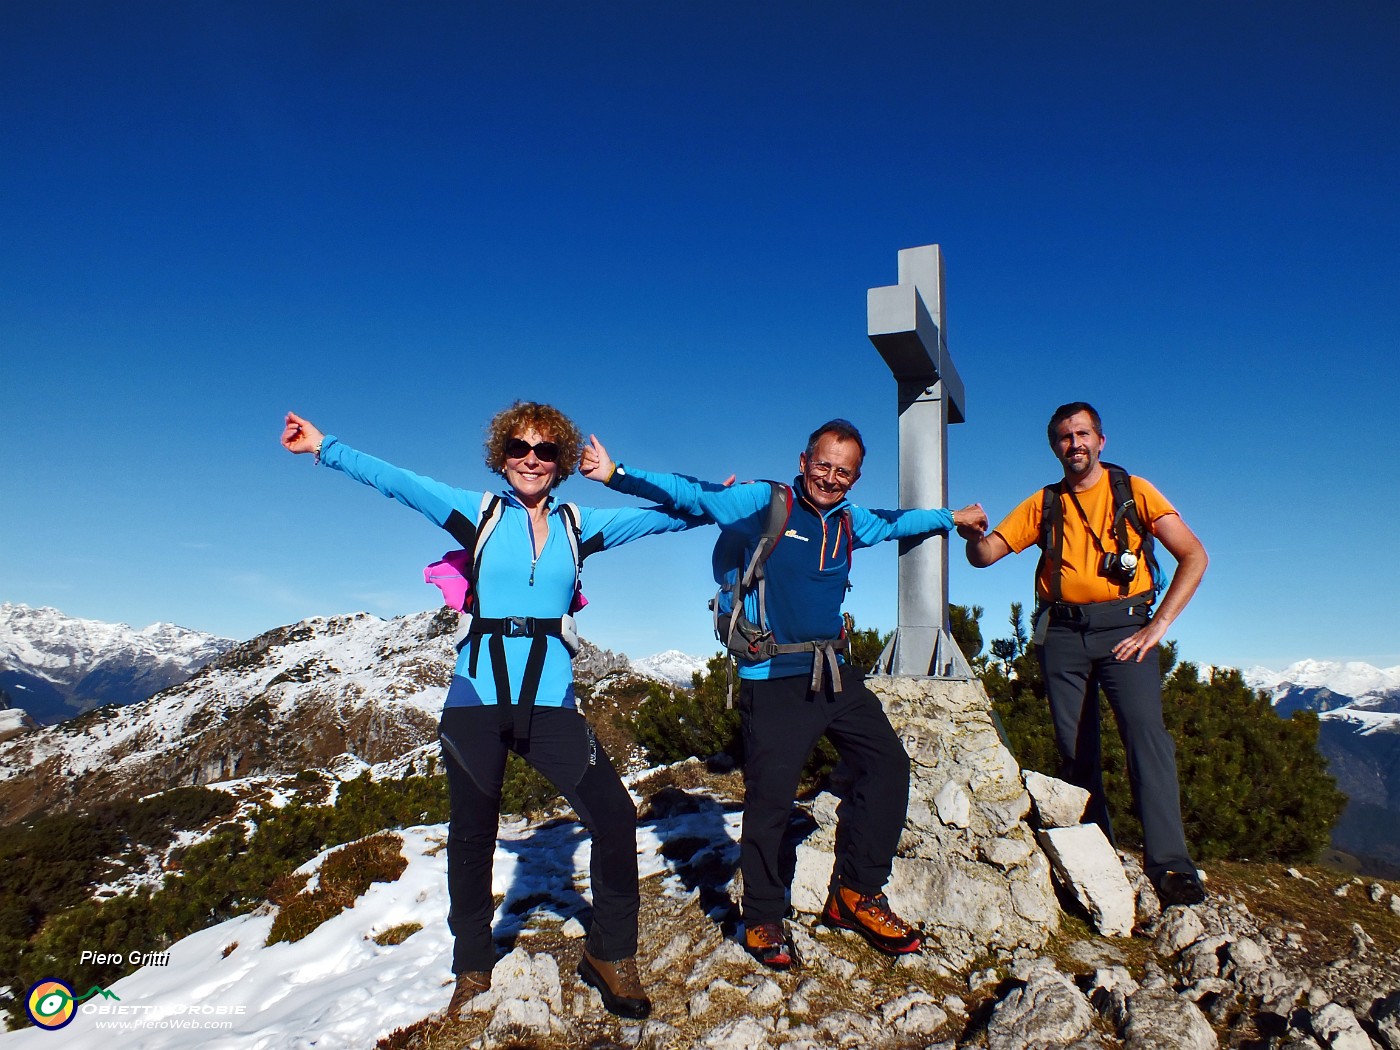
547	421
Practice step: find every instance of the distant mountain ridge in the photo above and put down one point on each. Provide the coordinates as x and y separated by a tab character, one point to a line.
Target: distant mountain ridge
672	666
341	688
55	666
1323	685
1358	709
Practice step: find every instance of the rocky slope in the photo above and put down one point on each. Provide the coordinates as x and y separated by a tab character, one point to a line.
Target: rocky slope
290	699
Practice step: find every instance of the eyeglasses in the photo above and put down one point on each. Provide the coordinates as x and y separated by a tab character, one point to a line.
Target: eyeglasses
519	448
841	474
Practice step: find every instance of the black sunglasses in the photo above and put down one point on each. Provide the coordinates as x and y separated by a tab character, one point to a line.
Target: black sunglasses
519	448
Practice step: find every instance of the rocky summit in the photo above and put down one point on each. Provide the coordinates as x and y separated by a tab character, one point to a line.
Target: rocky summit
1017	957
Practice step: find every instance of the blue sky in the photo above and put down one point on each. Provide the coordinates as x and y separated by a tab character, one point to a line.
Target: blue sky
395	218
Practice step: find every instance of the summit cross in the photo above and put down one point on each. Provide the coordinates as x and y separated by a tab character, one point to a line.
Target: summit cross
906	322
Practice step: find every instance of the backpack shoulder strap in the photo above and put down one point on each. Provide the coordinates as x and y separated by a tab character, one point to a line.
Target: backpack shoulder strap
1052	536
582	548
1125	510
492	507
774	525
1124	504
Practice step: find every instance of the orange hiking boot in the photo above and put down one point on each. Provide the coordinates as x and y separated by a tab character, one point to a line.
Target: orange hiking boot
873	919
767	942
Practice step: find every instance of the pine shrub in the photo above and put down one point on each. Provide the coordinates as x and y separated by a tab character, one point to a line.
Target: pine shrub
344	877
676	724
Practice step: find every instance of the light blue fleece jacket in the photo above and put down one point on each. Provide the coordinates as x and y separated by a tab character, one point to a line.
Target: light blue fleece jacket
513	581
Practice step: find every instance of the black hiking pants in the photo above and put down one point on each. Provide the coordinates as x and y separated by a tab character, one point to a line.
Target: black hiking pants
562	747
782	720
1075	660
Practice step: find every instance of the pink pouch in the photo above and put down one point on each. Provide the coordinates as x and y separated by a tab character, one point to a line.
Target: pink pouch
450	576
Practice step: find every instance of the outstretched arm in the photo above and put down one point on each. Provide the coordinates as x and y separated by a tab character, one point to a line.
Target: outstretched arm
876	526
434	500
713	502
1191	562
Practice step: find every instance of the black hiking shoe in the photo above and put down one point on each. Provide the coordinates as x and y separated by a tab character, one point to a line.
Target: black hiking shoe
1180	887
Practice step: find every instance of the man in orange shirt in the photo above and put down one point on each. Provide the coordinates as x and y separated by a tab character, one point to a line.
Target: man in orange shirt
1094	626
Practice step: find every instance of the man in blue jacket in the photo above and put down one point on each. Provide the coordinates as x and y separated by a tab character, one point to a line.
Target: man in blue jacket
784	706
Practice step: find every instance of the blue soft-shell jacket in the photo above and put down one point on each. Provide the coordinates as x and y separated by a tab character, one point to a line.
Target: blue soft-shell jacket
809	568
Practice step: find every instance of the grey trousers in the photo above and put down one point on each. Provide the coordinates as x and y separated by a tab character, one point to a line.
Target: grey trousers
1075	660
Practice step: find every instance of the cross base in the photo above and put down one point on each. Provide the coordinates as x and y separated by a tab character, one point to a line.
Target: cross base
923	652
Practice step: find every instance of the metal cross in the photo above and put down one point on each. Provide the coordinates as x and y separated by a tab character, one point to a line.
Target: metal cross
906	324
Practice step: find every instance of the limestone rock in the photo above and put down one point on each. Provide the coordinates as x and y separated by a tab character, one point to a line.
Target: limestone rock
1385	1014
849	1028
1109	990
1048	1011
953	806
658	1035
743	1033
1338	1029
969	871
525	995
1159	1019
914	1014
1057	804
1007	853
1087	864
1202	959
1180	928
764	992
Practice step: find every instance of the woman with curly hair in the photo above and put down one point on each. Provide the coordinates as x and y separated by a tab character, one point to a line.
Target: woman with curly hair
513	685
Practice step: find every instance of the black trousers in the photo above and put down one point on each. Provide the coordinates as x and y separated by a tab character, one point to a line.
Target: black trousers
1075	660
782	720
562	747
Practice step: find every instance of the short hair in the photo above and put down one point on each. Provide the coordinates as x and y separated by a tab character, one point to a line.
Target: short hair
841	428
551	424
1073	409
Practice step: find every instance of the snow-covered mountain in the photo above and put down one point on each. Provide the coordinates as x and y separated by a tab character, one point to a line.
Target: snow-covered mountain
291	699
287	700
671	666
55	666
1358	708
1324	685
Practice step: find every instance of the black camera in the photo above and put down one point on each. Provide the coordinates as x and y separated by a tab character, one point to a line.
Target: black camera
1119	566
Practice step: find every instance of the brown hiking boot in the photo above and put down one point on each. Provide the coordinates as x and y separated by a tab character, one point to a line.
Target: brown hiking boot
618	983
767	942
873	919
469	986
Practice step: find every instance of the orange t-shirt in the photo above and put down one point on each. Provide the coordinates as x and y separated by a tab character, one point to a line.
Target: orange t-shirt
1080	582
